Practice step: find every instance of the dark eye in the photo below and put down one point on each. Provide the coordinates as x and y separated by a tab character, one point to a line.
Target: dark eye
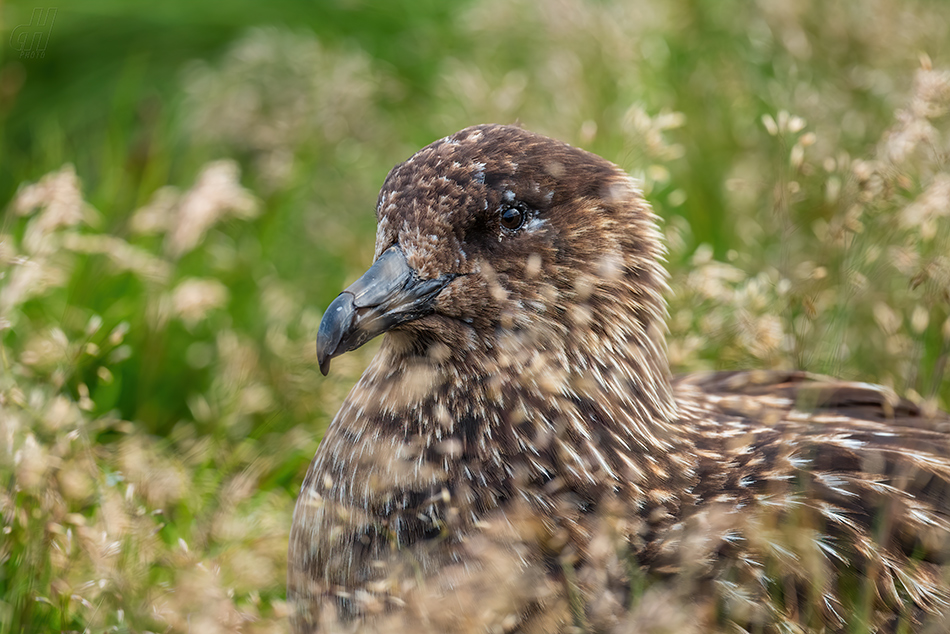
513	216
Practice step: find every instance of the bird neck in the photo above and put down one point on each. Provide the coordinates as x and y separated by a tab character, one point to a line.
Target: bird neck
483	418
509	392
595	370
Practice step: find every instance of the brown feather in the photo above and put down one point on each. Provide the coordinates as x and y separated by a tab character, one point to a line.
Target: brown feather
519	459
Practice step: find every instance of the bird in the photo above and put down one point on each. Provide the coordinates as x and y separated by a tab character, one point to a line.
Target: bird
518	456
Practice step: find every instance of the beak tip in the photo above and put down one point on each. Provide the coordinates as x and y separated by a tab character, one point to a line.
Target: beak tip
334	327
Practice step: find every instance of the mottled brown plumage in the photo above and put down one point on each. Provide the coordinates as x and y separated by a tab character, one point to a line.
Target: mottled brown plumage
516	458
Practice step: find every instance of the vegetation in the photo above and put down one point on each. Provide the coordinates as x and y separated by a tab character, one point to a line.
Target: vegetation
184	188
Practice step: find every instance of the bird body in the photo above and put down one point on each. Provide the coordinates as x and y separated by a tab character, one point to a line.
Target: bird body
517	457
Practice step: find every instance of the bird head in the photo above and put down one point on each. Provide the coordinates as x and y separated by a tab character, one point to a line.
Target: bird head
494	230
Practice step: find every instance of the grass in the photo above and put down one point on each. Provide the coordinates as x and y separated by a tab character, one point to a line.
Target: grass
185	189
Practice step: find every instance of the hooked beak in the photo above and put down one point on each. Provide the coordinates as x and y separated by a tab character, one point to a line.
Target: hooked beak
388	294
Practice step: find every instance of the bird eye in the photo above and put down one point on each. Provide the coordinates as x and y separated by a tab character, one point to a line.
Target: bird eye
513	216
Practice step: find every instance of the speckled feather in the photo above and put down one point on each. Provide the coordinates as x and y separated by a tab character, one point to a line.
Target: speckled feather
520	460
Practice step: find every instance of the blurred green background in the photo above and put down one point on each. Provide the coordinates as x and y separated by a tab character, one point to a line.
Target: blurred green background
186	185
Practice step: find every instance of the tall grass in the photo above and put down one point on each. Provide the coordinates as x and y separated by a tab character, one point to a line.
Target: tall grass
163	268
